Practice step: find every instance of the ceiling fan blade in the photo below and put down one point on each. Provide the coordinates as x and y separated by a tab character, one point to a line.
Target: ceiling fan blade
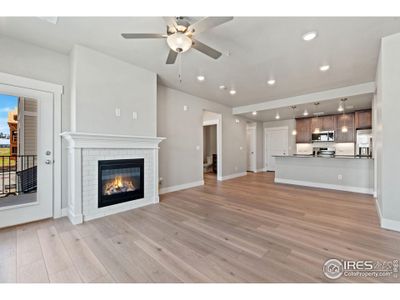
203	48
171	22
143	35
207	23
172	55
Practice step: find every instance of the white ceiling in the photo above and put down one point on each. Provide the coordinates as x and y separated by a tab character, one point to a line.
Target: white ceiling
259	47
327	107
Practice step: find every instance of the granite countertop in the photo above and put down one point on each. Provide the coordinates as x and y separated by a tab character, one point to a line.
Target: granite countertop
330	157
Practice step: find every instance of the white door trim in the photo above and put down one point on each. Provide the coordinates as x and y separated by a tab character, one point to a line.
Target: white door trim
56	90
217	122
269	129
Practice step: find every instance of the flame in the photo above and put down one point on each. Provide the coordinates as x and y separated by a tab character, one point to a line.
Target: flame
118	182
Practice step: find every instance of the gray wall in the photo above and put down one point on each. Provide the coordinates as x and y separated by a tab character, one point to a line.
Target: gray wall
209	140
27	60
260	145
388	127
180	161
291	124
100	84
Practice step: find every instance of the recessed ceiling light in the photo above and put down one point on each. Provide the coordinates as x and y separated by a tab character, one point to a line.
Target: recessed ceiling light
305	113
271	81
222	87
232	92
324	68
309	36
254	113
237	121
201	78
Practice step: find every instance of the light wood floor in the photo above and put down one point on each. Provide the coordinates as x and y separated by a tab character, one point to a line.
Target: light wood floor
246	229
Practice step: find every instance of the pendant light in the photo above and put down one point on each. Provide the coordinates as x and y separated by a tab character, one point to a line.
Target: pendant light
344	128
316	130
294	131
341	104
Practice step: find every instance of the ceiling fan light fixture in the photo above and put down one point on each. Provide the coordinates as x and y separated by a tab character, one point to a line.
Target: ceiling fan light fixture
179	42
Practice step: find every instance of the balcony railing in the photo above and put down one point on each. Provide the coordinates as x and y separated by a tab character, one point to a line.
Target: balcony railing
18	174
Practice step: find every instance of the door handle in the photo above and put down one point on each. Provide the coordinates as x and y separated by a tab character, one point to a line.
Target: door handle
48	162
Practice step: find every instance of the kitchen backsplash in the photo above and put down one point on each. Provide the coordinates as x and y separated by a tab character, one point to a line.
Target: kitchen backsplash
341	148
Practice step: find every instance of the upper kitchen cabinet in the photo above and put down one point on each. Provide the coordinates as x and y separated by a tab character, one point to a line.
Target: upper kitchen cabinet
363	119
342	121
303	128
315	123
328	123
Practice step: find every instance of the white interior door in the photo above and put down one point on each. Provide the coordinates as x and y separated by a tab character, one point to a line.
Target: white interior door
276	143
251	149
25	205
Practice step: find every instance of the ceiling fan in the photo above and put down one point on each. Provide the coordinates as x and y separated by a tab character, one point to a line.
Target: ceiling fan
180	35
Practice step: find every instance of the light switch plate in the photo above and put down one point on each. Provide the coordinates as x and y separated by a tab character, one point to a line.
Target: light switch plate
117	112
134	115
185	107
197	147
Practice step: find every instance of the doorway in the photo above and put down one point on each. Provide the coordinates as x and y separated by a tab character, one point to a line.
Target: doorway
26	167
251	147
212	146
276	143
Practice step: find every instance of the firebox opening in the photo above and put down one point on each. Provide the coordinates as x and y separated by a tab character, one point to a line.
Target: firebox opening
120	181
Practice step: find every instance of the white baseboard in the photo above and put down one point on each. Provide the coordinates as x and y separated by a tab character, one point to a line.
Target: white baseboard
261	170
231	176
386	223
181	187
345	188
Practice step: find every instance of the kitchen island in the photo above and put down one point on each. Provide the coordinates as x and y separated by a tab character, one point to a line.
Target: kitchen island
345	173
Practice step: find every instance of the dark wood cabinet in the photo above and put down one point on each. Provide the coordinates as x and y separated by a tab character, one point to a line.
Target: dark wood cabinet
328	123
303	127
353	121
316	123
344	120
363	119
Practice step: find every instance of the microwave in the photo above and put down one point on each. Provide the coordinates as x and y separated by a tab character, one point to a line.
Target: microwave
323	136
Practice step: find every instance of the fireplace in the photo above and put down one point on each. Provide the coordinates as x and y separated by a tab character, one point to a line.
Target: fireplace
120	181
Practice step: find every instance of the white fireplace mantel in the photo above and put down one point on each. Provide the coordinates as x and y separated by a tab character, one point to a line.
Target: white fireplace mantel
96	140
84	152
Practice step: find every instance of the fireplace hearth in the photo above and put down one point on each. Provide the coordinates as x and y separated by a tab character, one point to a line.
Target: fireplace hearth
120	181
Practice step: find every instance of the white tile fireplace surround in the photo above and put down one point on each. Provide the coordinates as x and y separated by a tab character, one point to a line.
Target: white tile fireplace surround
85	150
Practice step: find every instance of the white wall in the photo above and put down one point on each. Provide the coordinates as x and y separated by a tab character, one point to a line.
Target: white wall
27	60
180	161
100	84
387	144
